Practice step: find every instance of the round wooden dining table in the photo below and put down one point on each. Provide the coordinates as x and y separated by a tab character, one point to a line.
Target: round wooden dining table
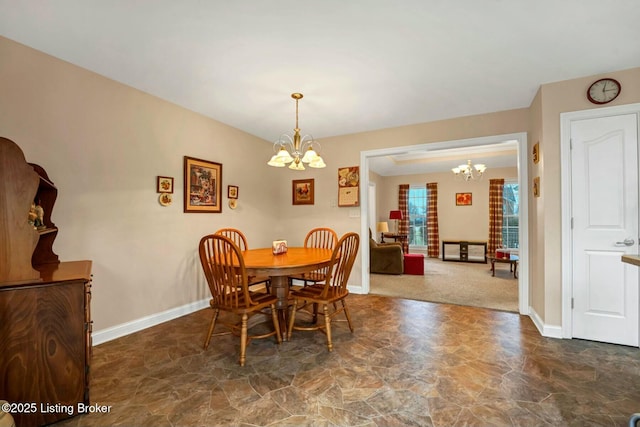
262	262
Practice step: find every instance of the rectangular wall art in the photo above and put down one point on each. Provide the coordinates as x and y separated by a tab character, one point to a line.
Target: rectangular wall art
202	185
302	191
463	199
349	186
164	184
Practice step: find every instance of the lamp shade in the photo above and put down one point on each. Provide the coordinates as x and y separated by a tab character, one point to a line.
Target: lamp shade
382	227
395	214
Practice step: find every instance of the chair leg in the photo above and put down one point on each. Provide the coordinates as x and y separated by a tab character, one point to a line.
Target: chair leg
211	327
276	323
314	320
292	319
346	313
243	339
327	324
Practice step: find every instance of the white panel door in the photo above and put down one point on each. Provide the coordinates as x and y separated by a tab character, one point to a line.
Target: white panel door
604	193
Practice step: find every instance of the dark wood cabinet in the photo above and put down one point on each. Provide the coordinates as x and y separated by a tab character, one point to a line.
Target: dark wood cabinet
46	342
45	304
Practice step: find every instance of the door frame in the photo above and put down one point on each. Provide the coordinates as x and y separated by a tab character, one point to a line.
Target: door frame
373	206
565	188
519	138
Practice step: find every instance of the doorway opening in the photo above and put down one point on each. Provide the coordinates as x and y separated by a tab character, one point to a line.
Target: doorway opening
520	142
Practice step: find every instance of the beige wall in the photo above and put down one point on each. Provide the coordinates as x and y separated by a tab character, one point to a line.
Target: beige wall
557	98
454	222
104	143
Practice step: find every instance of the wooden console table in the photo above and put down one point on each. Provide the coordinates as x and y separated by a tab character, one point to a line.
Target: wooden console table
462	251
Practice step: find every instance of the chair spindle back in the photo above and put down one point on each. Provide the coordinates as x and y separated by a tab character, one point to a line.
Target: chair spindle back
225	271
342	260
236	237
324	238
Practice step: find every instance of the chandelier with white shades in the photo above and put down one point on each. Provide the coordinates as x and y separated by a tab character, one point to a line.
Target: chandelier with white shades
469	172
296	150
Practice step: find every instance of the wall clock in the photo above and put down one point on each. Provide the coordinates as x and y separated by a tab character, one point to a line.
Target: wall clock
603	91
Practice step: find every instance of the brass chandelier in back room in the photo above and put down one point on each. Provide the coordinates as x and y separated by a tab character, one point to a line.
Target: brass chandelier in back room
296	150
469	172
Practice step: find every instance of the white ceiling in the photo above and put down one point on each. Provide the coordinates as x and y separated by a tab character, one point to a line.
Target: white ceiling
361	64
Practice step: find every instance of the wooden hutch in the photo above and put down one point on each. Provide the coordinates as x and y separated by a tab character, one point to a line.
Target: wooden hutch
45	318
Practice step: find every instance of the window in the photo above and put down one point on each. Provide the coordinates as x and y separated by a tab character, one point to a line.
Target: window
417	216
510	215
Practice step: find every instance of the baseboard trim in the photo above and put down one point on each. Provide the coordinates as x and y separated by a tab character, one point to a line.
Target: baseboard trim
356	289
108	334
548	331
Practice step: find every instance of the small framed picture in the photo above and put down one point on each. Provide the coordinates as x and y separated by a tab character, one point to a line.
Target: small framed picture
232	192
536	152
463	199
164	184
302	191
202	185
536	186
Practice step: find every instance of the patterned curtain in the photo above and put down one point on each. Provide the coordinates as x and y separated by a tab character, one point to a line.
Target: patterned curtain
433	237
495	215
403	205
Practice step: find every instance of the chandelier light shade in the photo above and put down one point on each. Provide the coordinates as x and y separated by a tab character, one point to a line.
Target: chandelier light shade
469	172
296	150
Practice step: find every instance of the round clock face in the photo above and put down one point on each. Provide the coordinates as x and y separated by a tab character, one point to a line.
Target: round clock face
603	91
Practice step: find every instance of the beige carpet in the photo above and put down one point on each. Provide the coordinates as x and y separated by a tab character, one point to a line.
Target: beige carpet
455	283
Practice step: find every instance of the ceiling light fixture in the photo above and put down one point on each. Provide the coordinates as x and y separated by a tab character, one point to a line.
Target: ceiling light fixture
469	172
296	150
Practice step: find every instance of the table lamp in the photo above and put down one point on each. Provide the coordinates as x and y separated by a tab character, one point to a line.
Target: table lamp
382	227
396	215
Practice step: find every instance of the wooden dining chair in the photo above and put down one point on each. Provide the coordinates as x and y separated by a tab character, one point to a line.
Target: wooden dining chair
241	241
329	293
222	263
324	238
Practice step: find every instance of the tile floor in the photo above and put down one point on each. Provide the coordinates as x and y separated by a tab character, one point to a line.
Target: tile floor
408	363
